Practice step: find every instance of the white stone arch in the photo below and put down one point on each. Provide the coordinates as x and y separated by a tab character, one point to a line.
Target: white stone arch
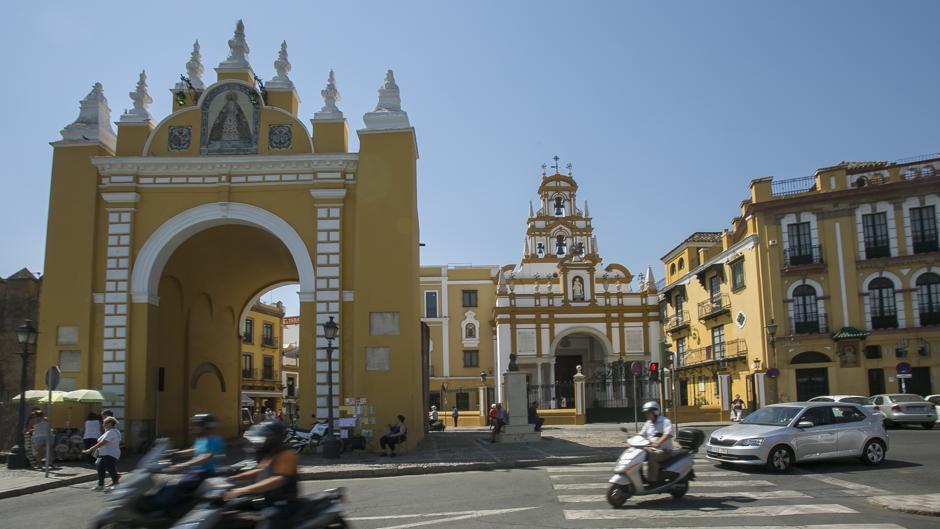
255	298
915	297
579	329
163	242
898	297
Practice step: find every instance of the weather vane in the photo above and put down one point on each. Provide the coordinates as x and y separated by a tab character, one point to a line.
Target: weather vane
544	167
555	166
569	169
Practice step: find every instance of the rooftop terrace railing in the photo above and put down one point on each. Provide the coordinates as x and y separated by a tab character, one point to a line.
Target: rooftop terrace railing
793	186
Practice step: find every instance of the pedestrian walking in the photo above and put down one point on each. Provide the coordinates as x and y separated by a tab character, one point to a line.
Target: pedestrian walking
109	451
564	402
455	413
91	432
534	418
41	436
491	416
737	408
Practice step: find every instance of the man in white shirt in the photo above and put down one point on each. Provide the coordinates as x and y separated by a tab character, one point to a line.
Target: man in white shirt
658	430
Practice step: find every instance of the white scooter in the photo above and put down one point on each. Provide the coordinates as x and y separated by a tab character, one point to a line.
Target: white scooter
299	439
676	472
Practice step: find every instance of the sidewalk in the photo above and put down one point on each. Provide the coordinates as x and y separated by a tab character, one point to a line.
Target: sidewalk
18	482
925	504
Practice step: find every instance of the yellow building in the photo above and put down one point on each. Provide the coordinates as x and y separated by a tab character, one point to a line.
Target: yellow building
458	310
262	359
838	283
161	235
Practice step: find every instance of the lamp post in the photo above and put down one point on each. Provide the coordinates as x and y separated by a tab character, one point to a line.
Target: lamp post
331	446
26	336
772	336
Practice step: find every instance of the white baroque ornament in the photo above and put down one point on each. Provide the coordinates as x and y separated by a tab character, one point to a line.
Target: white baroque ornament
282	67
238	50
139	113
330	98
94	120
194	70
388	114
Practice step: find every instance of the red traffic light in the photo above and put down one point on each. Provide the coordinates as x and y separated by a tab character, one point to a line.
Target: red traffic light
654	367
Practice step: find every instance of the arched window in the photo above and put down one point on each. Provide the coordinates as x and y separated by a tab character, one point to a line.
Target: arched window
805	310
672	269
884	313
681	263
680	304
928	298
559	207
470	332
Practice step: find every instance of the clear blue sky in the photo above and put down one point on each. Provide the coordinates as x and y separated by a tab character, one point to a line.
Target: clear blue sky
667	110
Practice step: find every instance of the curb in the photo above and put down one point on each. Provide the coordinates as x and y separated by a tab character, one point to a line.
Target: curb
384	472
891	504
31	489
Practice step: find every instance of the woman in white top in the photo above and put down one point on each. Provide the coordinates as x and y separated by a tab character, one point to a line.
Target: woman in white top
109	451
91	433
41	433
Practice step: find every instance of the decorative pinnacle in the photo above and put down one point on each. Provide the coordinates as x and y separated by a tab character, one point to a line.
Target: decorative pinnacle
388	114
238	49
389	95
194	68
94	120
141	100
544	168
555	165
282	67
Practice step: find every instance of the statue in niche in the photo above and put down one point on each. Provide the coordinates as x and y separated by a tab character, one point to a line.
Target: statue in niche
230	125
471	332
577	289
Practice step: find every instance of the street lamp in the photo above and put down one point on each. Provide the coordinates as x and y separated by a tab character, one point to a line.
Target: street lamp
26	336
331	446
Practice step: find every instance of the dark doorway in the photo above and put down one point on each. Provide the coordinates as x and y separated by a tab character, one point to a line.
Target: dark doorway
565	369
683	392
919	383
876	381
811	383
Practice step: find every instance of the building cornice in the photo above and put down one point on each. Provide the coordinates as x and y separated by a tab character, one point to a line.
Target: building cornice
724	256
226	165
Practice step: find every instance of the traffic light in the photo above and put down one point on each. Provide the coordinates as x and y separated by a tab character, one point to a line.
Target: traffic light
654	371
666	355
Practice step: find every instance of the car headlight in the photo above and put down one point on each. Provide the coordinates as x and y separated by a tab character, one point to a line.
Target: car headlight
753	441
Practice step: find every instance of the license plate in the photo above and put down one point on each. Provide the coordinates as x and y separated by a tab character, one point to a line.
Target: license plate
719	450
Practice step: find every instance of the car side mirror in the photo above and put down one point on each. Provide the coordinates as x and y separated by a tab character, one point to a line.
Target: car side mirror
804	424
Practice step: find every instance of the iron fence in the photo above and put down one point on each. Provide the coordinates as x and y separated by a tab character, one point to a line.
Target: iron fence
793	186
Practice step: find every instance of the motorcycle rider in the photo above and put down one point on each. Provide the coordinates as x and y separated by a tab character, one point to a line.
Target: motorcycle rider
276	474
658	430
208	449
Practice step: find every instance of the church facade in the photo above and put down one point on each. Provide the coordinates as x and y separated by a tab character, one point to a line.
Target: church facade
162	236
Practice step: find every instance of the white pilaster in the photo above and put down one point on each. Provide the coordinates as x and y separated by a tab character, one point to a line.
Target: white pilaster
328	293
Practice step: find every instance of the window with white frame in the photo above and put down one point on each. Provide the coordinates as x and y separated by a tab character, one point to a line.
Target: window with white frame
928	299
924	229
881	299
430	304
875	231
805	310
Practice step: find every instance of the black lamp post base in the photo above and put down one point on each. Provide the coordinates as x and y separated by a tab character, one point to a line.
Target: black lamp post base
17	458
331	447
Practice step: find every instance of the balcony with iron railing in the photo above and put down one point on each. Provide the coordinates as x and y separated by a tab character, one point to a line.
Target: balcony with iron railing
802	255
677	322
264	374
887	319
810	324
714	354
714	307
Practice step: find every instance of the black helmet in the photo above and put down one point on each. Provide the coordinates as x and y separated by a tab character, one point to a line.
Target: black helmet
266	437
203	420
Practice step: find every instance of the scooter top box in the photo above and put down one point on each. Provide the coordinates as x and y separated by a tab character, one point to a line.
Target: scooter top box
690	438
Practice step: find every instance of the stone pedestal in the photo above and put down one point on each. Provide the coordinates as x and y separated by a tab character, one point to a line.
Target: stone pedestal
517	406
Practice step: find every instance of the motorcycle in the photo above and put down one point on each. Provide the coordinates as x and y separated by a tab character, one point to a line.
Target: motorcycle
323	511
299	440
676	472
130	503
436	426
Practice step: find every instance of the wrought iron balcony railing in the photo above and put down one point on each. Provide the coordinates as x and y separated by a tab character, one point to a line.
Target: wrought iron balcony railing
802	255
714	307
810	325
677	321
715	354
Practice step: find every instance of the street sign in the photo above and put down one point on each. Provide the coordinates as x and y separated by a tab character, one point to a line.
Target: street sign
905	375
903	367
636	368
52	377
773	372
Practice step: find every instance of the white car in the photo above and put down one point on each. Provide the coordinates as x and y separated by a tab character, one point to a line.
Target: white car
851	399
935	400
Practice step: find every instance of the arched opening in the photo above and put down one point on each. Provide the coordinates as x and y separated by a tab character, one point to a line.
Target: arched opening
928	299
810	357
203	288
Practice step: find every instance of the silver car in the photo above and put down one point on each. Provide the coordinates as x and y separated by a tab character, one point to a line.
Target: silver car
782	434
905	408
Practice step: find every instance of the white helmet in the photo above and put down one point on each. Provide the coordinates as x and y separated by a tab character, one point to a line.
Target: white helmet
652	406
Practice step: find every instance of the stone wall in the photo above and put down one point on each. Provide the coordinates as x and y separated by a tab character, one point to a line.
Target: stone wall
19	300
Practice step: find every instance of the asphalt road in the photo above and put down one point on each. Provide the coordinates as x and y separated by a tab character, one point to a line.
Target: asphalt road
831	494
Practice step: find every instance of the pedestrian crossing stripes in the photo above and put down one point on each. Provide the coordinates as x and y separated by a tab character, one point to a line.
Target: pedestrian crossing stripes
722	483
734	512
729	496
853	489
819	526
703	473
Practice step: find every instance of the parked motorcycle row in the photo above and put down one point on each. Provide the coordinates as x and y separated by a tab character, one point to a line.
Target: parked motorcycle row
132	503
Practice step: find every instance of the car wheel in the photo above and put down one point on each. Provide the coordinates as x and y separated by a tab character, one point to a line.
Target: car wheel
780	459
927	425
617	495
873	453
